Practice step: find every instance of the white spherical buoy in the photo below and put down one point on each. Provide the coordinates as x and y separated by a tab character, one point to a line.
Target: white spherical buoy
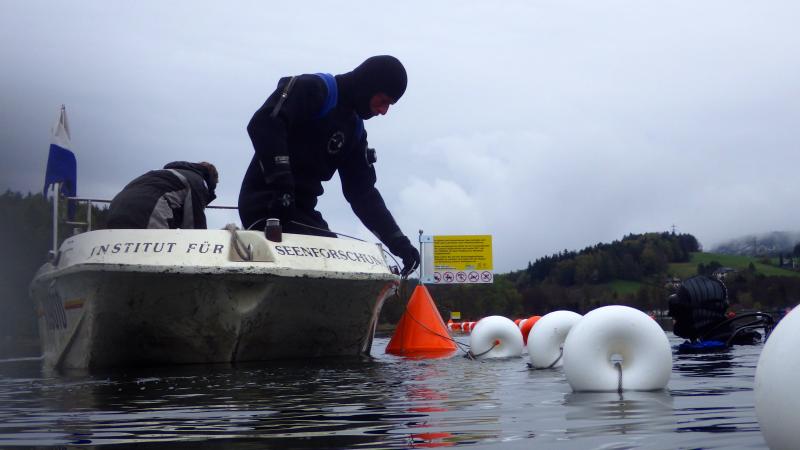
495	337
612	335
546	339
776	400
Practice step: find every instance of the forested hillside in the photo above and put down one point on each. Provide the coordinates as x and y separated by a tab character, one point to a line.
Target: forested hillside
26	238
636	257
630	271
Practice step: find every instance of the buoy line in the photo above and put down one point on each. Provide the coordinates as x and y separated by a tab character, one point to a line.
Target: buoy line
616	348
467	353
553	364
496	337
471	355
547	336
399	293
776	374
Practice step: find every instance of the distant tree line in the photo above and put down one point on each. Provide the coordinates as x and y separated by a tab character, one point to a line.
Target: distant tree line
635	257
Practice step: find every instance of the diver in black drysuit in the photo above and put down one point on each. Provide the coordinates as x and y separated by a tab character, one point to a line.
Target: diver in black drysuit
699	309
173	197
310	127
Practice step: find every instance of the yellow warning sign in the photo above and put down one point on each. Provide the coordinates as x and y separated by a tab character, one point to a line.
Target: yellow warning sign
467	252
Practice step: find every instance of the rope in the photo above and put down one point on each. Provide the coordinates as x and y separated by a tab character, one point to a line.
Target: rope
449	338
471	355
619	381
560	354
325	229
246	253
397	264
264	219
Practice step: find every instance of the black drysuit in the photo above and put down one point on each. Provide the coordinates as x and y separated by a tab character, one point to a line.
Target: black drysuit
173	197
300	142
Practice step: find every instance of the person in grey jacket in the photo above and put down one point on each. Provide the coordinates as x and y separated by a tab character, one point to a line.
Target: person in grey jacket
173	197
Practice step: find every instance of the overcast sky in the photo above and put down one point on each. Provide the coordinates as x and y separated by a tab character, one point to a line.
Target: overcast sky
549	125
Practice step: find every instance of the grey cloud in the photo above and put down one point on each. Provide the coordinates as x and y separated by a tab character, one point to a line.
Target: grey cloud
550	125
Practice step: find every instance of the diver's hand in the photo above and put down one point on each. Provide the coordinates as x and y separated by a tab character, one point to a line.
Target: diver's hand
402	247
410	261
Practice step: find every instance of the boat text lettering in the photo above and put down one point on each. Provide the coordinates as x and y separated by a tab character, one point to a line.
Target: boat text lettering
204	247
312	252
154	247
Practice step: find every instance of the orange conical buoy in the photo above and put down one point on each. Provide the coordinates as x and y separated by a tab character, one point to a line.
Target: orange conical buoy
421	331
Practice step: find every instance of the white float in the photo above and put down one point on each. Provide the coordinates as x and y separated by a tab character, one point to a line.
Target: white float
777	398
617	334
546	338
495	337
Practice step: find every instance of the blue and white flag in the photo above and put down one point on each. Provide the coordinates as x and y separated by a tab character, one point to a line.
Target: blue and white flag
61	164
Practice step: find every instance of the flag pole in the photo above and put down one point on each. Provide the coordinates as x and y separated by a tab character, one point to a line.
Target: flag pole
56	189
61	171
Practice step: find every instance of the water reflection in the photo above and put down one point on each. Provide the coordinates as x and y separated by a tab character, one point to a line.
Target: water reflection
593	413
385	402
714	395
189	403
430	440
705	365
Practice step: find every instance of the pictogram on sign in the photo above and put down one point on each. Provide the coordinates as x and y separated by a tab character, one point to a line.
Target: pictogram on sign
457	259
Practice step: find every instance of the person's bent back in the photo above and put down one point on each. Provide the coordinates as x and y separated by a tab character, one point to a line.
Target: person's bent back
173	197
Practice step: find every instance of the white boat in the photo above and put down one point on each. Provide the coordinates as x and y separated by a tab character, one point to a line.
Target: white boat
149	297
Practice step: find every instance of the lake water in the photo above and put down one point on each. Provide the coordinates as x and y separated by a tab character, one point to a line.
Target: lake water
384	402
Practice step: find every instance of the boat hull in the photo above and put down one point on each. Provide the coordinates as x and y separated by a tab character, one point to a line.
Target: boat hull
114	314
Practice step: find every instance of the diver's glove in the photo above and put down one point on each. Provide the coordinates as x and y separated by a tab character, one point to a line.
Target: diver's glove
402	247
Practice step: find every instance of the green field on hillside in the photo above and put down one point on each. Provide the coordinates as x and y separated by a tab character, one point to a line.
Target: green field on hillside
685	270
624	287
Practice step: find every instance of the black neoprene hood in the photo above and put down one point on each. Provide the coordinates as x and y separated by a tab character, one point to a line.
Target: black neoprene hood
378	74
382	74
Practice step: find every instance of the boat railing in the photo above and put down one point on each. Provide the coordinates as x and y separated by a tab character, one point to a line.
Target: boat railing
90	201
87	223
